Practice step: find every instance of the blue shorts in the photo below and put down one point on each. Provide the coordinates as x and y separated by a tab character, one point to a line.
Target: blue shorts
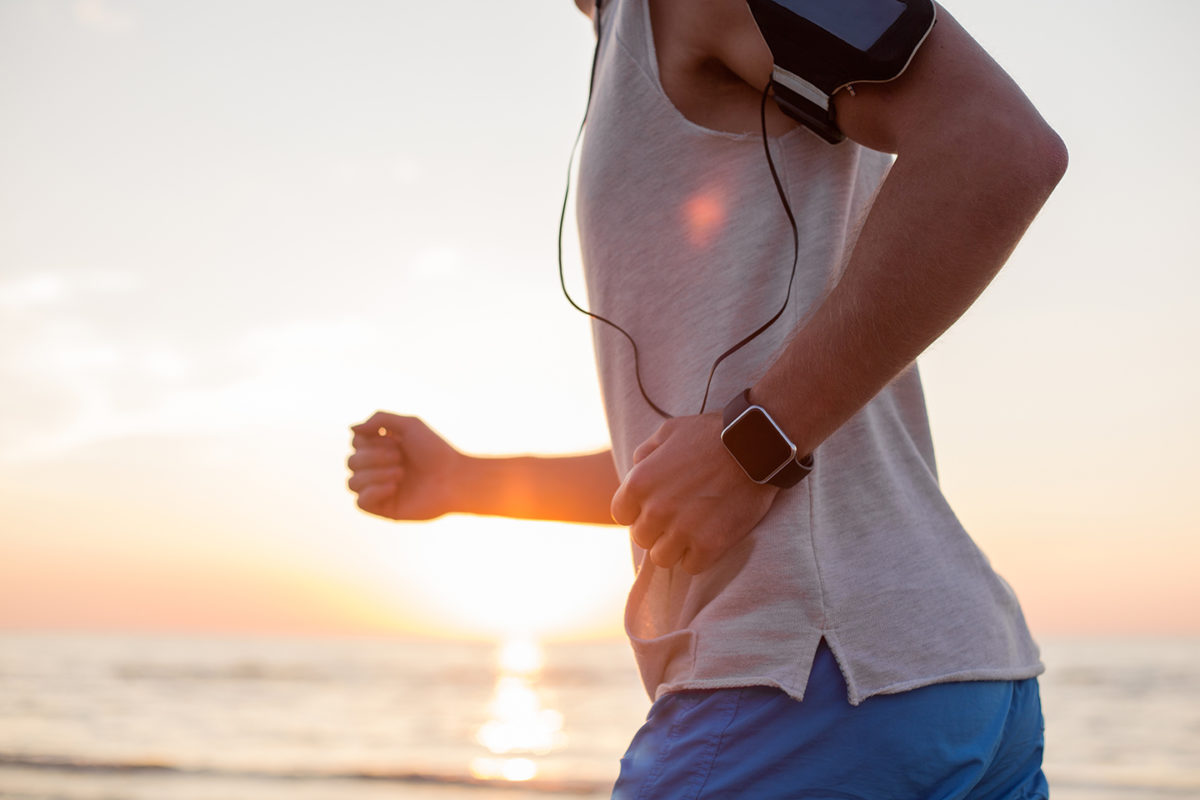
950	741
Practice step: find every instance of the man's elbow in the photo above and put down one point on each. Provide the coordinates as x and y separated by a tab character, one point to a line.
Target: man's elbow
1026	145
1007	146
1057	157
1045	157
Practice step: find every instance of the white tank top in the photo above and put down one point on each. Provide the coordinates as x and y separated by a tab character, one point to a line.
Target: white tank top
686	246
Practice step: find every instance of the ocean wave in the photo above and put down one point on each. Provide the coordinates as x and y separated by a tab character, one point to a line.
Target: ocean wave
256	672
1153	789
241	671
535	785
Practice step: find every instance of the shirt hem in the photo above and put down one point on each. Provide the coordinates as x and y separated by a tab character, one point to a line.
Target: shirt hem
856	695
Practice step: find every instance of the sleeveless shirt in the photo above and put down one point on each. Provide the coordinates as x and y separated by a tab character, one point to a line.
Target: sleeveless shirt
686	245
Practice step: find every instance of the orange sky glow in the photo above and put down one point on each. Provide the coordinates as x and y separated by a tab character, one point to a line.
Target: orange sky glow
212	265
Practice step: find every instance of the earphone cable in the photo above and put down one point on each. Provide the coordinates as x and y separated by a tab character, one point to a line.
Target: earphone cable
562	222
562	218
787	209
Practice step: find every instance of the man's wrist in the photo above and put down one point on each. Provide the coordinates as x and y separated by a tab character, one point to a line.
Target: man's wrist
468	486
760	446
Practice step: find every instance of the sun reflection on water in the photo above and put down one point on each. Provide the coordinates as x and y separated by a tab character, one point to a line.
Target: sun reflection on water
519	727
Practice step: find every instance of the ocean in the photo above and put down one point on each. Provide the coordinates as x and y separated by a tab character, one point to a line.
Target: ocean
106	717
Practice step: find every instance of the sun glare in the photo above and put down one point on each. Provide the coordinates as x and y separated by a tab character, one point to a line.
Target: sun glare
511	579
520	656
519	727
705	216
508	769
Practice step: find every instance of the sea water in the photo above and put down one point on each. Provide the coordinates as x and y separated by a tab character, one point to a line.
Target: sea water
85	717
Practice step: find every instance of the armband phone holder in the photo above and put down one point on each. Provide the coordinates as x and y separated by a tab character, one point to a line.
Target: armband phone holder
821	46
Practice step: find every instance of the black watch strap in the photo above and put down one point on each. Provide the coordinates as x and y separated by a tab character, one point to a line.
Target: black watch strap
795	471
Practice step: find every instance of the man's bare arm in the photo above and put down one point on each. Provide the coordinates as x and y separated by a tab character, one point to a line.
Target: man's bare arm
975	162
403	469
569	488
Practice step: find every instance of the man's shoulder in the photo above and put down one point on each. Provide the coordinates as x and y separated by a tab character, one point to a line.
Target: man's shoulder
713	62
723	30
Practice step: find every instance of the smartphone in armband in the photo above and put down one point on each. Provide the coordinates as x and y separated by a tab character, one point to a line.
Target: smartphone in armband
821	46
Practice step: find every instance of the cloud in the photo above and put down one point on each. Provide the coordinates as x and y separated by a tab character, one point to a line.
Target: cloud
438	264
103	16
73	384
56	366
35	290
286	345
80	367
41	290
404	171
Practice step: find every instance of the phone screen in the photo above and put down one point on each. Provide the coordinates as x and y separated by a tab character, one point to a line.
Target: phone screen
858	23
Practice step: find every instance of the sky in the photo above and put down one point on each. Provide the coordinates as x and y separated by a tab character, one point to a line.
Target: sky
229	230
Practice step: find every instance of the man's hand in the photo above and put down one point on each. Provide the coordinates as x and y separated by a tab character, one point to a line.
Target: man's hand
401	468
686	500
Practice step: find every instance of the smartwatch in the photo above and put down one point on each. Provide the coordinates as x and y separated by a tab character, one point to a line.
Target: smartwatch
760	447
821	46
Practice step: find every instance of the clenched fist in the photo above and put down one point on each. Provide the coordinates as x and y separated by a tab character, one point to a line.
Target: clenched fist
401	469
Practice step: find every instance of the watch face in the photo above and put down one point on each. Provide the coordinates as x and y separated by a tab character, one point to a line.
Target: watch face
757	444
